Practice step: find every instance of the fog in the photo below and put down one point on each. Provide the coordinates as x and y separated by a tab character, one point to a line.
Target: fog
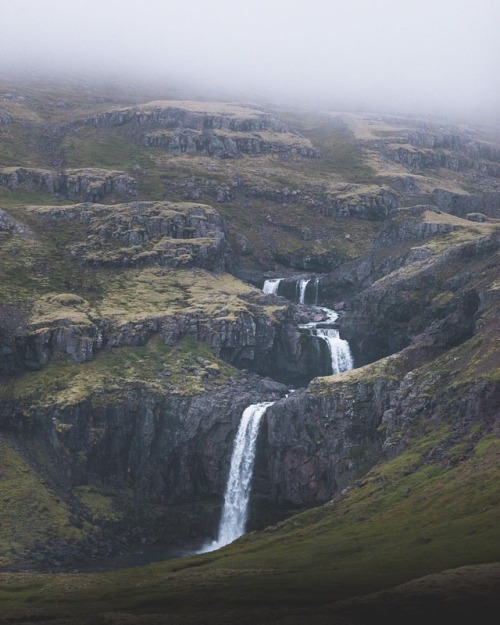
419	55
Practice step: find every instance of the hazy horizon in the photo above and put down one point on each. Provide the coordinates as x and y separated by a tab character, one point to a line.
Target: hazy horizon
426	56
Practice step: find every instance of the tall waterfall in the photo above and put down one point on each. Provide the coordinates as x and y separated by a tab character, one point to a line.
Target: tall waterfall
271	286
340	354
235	510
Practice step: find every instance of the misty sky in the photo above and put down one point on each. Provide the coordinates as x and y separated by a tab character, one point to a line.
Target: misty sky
419	54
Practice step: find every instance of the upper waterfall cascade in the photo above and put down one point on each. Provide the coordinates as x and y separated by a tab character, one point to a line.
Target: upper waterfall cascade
340	354
271	286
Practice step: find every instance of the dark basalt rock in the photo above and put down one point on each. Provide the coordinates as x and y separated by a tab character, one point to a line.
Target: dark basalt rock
89	185
5	117
385	317
316	443
162	448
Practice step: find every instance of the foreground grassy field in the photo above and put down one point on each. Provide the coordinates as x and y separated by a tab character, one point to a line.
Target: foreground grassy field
405	520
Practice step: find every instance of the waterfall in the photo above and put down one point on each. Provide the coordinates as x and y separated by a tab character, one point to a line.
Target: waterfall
316	291
271	286
235	510
302	285
340	354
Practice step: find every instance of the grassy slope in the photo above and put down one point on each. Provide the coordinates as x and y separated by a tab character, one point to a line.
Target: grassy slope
29	510
405	521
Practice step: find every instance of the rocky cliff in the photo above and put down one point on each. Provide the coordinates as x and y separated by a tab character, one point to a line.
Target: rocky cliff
89	185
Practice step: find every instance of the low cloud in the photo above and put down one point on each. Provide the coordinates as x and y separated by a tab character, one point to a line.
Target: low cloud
419	55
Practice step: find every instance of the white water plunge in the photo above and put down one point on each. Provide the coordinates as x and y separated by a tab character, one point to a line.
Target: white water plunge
235	510
271	286
301	290
302	285
340	354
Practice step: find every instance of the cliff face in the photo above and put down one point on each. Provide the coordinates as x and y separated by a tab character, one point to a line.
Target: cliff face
123	460
435	293
314	445
212	143
212	129
318	443
166	447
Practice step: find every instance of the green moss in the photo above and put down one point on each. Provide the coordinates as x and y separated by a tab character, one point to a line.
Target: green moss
341	155
52	308
113	370
138	294
389	368
100	503
99	147
29	510
443	298
32	265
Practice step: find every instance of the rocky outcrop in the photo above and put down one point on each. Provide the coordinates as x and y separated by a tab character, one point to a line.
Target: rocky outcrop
223	131
409	224
357	201
212	143
12	226
315	445
404	232
461	204
416	159
453	142
348	201
434	148
89	185
192	115
145	233
64	326
386	317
